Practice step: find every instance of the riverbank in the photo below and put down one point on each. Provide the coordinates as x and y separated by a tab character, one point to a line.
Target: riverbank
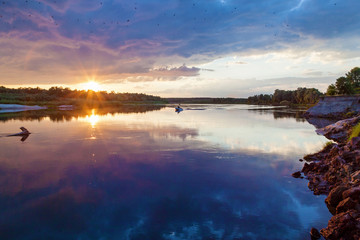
335	170
7	108
335	107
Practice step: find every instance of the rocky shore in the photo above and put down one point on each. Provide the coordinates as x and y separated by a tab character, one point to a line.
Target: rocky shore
335	171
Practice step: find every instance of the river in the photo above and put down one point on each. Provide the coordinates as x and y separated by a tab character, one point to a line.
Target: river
208	172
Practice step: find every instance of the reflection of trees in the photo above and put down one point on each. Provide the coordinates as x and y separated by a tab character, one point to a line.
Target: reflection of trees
283	113
61	116
298	115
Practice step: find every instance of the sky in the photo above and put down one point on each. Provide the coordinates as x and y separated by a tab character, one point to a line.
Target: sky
178	48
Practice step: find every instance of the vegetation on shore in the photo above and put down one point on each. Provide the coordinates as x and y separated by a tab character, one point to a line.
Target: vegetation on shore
303	96
59	96
346	85
355	132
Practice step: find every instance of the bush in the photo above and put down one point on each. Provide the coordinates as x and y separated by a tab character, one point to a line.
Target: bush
355	131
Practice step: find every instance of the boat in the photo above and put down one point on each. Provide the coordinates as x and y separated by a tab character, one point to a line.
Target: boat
178	109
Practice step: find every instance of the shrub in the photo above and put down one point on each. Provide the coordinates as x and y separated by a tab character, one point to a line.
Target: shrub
355	131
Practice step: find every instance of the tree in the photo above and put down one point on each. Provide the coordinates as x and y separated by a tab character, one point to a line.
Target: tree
311	95
331	90
354	76
349	84
299	95
344	86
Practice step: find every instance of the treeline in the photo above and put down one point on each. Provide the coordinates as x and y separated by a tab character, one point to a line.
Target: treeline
287	97
206	100
58	94
346	85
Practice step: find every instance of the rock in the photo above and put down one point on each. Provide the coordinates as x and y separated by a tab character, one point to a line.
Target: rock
354	143
355	176
337	168
310	157
320	122
314	233
353	193
334	151
296	174
343	226
340	130
350	156
345	205
308	167
334	197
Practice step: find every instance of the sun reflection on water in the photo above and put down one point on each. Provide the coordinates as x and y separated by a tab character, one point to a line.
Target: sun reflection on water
93	119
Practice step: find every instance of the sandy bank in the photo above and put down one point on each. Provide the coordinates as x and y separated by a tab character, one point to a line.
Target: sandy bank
4	108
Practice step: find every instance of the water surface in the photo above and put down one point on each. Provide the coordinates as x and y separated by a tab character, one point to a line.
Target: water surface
210	172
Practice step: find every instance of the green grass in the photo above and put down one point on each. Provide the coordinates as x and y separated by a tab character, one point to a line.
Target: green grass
328	143
355	131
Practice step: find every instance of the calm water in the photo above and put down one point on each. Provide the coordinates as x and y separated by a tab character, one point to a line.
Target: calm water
210	172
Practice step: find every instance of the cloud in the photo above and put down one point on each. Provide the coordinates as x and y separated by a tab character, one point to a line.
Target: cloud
301	2
246	87
61	41
174	73
311	72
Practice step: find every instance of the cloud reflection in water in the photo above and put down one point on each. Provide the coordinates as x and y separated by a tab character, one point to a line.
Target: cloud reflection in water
147	179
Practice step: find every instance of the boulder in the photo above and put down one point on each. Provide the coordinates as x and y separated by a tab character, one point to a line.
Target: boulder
307	167
345	205
314	233
334	197
340	130
354	143
296	174
311	157
355	176
353	193
343	226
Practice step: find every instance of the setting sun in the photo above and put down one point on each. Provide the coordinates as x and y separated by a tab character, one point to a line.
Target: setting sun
92	85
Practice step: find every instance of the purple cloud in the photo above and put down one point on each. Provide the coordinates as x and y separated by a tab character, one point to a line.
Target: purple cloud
123	38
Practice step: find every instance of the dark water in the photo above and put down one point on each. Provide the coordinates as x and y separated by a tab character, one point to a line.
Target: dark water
210	172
